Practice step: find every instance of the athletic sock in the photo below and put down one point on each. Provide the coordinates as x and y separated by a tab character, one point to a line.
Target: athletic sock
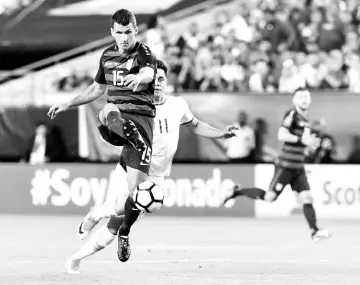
310	216
101	239
103	211
254	193
131	215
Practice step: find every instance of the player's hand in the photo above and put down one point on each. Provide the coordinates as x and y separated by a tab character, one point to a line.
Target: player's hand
132	81
310	140
233	128
57	109
228	134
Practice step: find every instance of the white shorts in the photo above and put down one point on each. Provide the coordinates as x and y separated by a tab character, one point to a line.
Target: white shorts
158	180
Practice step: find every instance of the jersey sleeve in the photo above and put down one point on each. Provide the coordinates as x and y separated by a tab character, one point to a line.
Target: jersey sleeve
288	119
146	58
100	75
187	116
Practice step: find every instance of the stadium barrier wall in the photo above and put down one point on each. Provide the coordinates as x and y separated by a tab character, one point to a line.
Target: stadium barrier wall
335	188
17	130
221	110
192	190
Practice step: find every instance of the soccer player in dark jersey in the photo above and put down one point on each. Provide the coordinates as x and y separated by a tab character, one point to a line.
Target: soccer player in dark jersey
127	72
295	136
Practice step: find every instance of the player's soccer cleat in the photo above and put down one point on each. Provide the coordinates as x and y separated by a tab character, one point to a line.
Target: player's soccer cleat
86	226
236	192
124	250
72	265
133	136
81	235
320	235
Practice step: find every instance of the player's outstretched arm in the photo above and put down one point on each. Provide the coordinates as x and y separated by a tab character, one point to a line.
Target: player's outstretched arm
202	129
91	93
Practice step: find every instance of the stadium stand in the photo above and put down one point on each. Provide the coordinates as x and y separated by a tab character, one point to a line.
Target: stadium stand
260	46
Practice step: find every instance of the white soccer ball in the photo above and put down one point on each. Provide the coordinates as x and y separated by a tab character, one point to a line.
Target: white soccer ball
149	196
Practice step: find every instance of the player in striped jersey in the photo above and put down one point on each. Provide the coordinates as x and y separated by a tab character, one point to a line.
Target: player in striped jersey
171	113
294	135
127	72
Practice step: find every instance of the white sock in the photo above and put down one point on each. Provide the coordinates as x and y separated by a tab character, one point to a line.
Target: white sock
105	210
101	239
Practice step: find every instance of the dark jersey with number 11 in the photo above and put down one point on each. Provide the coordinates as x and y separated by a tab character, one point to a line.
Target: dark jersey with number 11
113	68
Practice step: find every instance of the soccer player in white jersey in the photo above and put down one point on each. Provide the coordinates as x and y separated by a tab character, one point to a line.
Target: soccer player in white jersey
171	113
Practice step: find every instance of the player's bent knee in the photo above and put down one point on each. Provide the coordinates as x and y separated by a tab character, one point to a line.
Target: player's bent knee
114	224
102	117
135	177
270	196
306	197
110	107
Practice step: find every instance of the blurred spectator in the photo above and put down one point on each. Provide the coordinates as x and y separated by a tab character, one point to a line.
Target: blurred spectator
277	31
239	148
192	36
232	74
353	72
155	36
354	156
262	152
331	34
259	80
46	145
290	78
7	7
260	46
70	81
239	25
310	69
335	72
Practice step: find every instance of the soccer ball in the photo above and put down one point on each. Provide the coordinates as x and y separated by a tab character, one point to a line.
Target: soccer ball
148	197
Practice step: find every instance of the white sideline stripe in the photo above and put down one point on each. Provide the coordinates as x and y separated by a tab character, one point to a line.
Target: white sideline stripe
244	246
189	247
132	261
161	261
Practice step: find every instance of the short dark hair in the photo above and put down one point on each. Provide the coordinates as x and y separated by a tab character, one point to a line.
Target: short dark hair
300	89
161	65
123	17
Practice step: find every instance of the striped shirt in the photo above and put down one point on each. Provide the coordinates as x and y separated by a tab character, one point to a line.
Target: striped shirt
292	155
114	67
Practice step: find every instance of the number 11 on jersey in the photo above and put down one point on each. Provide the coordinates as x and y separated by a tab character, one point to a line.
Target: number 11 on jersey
163	124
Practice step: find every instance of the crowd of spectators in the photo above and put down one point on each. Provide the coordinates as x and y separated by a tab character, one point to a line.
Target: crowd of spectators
266	46
8	7
72	80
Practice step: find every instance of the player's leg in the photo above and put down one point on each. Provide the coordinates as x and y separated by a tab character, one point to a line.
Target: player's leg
135	177
125	128
101	239
104	210
301	185
277	184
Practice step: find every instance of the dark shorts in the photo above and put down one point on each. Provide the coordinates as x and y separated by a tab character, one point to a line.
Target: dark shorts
297	179
130	156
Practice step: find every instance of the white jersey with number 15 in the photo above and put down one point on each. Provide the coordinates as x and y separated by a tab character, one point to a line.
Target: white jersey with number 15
169	116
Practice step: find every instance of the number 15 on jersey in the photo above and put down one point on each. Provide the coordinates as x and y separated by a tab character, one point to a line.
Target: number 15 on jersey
118	78
146	156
